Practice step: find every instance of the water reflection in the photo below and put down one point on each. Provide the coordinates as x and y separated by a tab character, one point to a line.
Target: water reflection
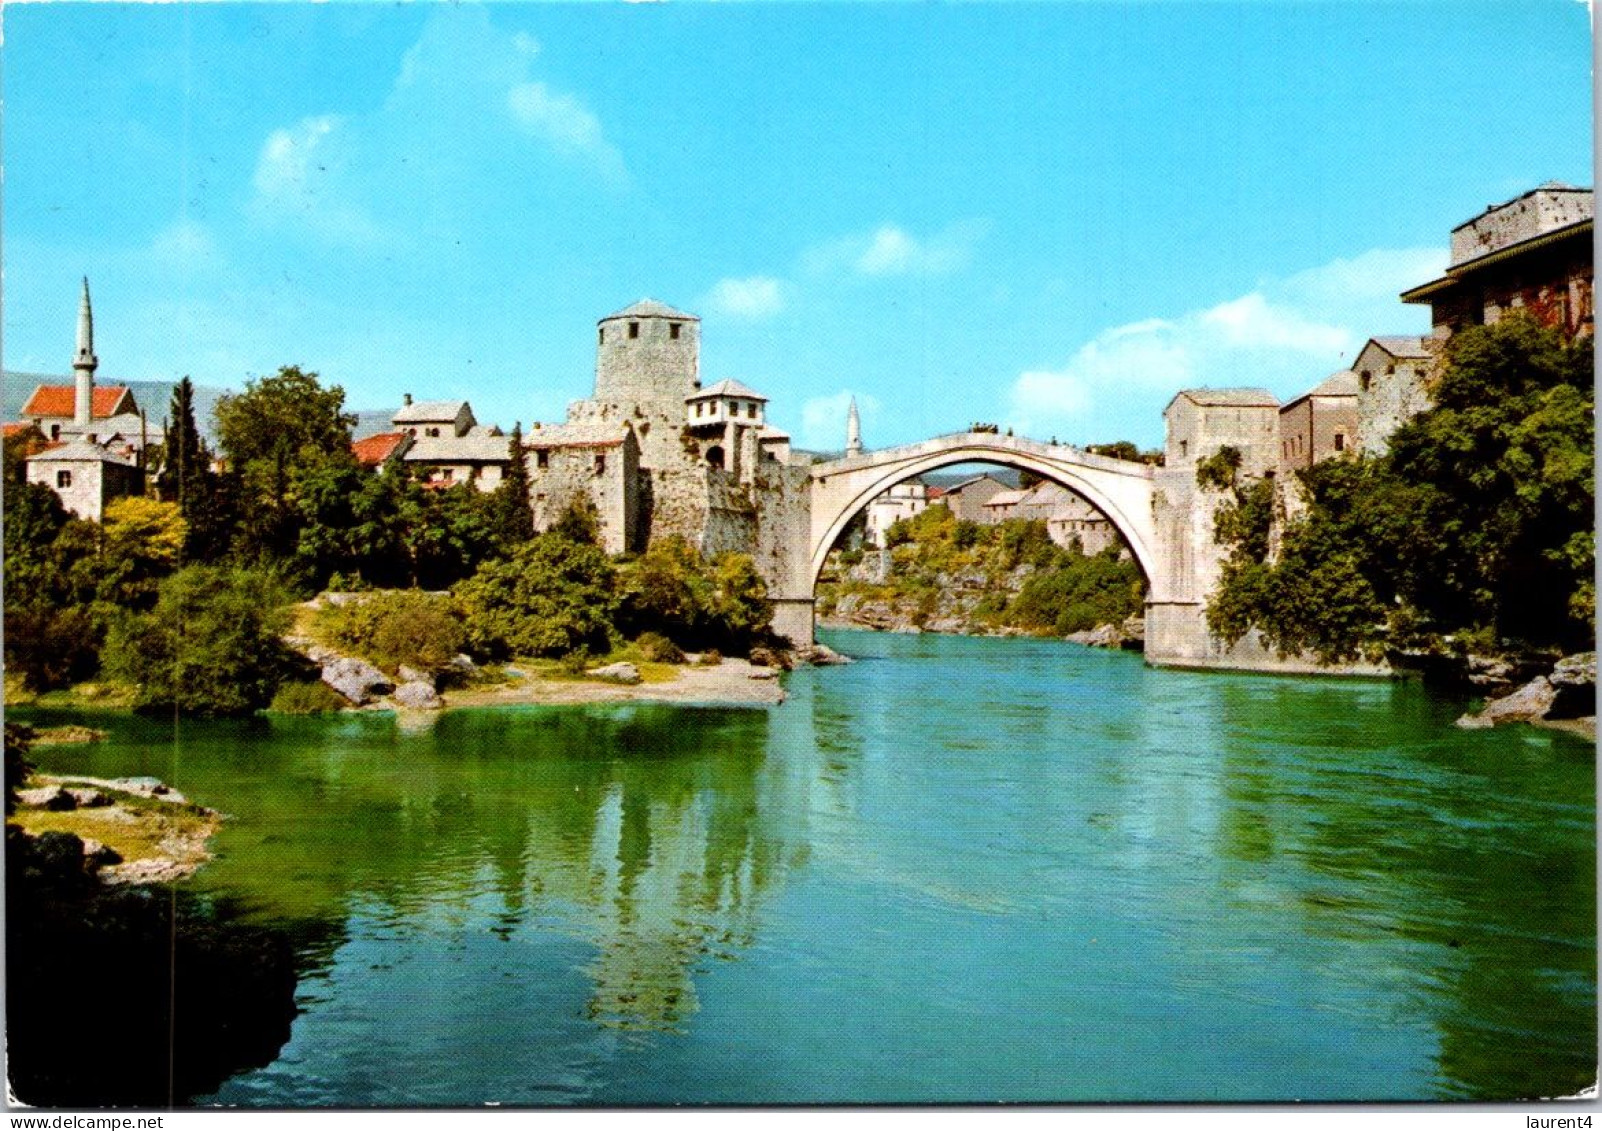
956	870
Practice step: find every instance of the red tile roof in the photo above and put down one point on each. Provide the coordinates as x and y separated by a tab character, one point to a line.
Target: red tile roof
375	450
58	400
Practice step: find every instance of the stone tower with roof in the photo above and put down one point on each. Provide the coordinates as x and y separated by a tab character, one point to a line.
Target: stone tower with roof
660	456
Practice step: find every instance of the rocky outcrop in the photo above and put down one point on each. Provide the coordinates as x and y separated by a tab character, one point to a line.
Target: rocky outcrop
621	672
820	655
1565	696
418	695
357	680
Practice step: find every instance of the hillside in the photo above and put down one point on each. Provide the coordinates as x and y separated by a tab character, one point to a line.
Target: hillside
946	575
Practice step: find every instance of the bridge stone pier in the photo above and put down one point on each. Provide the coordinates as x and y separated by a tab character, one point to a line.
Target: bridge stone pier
1126	492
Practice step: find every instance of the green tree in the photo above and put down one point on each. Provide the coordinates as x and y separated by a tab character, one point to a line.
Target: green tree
279	434
188	479
142	541
212	646
1503	466
580	522
553	596
513	513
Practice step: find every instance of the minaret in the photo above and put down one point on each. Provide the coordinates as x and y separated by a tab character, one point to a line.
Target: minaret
84	363
853	430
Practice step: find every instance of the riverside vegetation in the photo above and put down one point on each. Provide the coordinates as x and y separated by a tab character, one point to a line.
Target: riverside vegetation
122	614
1474	534
952	575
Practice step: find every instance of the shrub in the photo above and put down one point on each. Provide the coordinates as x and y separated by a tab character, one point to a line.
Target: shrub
212	645
52	648
654	646
420	630
551	597
312	697
711	658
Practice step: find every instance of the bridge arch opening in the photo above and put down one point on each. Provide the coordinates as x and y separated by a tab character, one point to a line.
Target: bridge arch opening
865	488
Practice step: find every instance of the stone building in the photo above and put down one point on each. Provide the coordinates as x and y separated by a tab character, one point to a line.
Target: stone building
904	500
1201	421
595	461
1074	520
661	456
95	436
966	500
1393	375
86	475
1320	424
1531	254
446	445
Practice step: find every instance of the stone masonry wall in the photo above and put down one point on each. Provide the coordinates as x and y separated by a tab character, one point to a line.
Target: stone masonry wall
654	366
571	473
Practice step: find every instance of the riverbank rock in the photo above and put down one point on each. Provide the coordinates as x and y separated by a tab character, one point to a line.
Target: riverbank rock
356	680
86	798
418	695
51	797
409	674
1566	695
820	655
97	856
620	672
764	673
153	788
66	736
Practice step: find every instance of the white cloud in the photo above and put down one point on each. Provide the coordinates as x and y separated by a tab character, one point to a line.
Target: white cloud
759	296
1285	335
891	251
298	174
823	420
564	123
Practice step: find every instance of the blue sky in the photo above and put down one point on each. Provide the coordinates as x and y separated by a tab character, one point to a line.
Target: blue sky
1050	216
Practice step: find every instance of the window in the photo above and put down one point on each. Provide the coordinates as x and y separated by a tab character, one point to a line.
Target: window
63	479
1365	379
542	459
714	457
750	410
55	431
1340	441
447	475
1183	446
673	330
433	431
600	464
634	329
699	405
601	339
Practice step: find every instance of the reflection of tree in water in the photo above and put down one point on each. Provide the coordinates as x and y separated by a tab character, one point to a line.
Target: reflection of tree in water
1472	854
653	833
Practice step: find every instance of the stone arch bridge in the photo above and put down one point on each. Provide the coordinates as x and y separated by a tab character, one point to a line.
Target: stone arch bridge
1122	490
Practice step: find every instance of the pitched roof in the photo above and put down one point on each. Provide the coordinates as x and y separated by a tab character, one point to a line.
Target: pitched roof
430	412
372	451
727	388
1406	347
1341	384
79	451
59	400
958	488
1229	398
16	429
582	435
650	308
1005	498
460	449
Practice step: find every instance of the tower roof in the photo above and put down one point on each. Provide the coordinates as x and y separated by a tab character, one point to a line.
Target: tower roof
58	400
650	308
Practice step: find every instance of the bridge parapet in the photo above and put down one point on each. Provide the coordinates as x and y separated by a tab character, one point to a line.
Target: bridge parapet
1000	445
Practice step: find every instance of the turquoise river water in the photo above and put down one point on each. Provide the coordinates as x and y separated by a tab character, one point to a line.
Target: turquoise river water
957	870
